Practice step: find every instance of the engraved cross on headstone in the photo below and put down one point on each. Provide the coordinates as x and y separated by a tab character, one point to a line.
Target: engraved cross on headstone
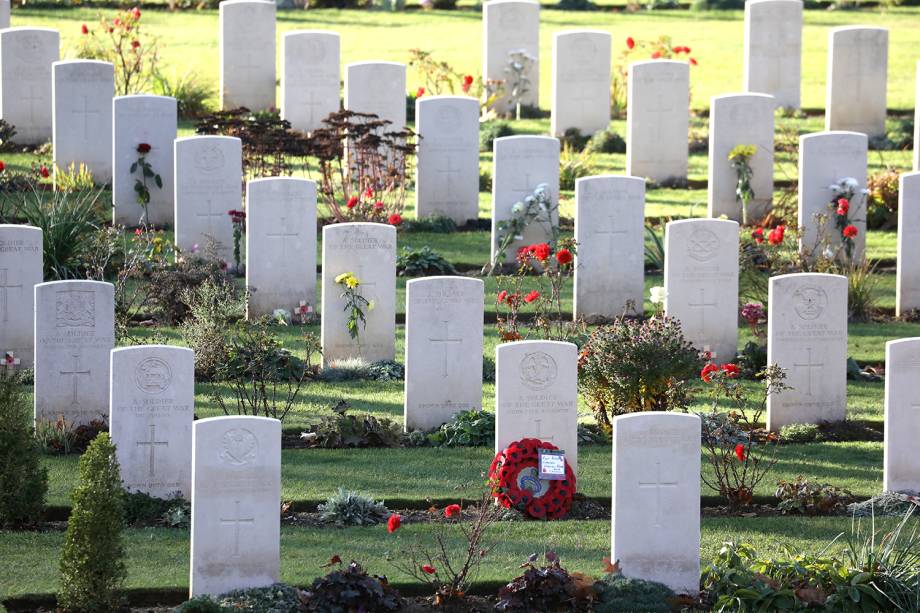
657	484
539	431
248	67
702	305
609	232
75	374
445	340
84	112
283	236
236	522
810	365
526	188
312	105
152	443
450	172
5	286
655	126
210	215
31	99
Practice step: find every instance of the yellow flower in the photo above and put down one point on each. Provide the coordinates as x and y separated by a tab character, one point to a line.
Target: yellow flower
341	278
352	282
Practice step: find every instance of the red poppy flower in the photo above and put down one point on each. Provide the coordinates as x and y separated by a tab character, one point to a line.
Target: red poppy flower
135	44
502	295
757	235
850	231
143	148
43	171
740	452
534	295
564	256
540	251
429	569
420	92
776	235
393	523
451	510
843	206
352	202
731	370
630	42
394	219
708	371
84	29
693	62
656	55
378	206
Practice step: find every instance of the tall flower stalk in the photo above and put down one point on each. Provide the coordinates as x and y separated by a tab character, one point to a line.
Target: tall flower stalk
740	160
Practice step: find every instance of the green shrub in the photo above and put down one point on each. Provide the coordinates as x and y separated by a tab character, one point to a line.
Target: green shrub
341	430
592	434
799	433
882	200
438	224
23	479
490	130
632	366
347	508
574	139
574	165
808	498
544	588
351	589
618	593
607	141
277	598
752	359
141	509
93	556
192	93
386	370
212	307
471	428
200	604
424	262
7	132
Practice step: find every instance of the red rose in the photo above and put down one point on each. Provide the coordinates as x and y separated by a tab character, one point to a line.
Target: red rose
136	13
564	256
677	49
378	206
2	166
731	370
135	44
776	235
686	49
843	206
352	202
502	295
533	295
630	42
84	29
43	171
451	510
143	148
393	523
740	452
656	55
429	569
850	231
693	62
757	235
138	232
116	22
394	219
420	92
368	193
467	83
708	371
540	251
514	299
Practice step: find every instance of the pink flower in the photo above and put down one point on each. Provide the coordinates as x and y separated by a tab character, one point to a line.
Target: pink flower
843	206
136	13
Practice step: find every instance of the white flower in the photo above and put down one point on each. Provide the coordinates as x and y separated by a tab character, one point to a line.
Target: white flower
657	294
850	182
517	208
828	252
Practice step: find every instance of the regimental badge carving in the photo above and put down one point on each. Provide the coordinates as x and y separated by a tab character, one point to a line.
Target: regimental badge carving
75	309
153	376
538	370
585	51
316	51
209	158
239	447
702	245
448	118
809	302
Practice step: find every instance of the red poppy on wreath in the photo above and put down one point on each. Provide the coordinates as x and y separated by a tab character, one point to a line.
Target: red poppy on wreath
515	473
502	295
428	569
731	370
564	256
532	296
394	219
451	510
708	372
740	452
850	231
393	523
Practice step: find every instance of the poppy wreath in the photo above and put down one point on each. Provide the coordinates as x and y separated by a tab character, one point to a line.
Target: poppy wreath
515	473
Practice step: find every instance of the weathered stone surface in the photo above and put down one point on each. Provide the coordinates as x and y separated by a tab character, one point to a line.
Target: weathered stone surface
20	270
581	81
310	80
773	49
82	118
247	54
507	26
857	80
26	56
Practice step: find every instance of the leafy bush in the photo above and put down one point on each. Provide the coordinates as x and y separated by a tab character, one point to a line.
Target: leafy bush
607	141
752	359
618	593
386	370
546	588
192	93
654	249
123	42
60	437
341	430
23	479
93	555
169	288
574	165
7	132
141	509
424	262
592	434
277	598
808	498
200	604
438	224
212	307
799	433
472	428
882	203
490	130
350	588
347	508
632	366
574	139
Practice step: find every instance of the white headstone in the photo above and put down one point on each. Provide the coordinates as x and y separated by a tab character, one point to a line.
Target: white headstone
520	165
508	26
857	80
610	232
236	504
902	416
74	333
20	270
701	282
740	119
26	55
378	88
443	349
447	176
824	159
209	177
150	120
82	130
311	77
807	337
773	49
151	409
658	120
656	498
908	273
581	81
4	14
368	251
280	245
536	395
247	54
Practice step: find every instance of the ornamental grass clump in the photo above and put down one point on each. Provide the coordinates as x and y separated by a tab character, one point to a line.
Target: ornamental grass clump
632	366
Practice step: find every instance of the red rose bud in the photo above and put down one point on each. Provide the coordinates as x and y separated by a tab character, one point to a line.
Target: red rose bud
84	29
420	92
143	148
135	44
393	523
693	62
502	295
740	452
43	171
2	166
731	370
429	569
630	42
656	55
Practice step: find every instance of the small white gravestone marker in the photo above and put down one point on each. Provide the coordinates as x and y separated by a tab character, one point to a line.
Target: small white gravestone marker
740	119
74	333
82	130
825	158
368	251
20	270
378	88
656	498
908	273
902	416
247	54
443	349
610	232
151	409
236	501
447	178
280	244
209	176
509	26
536	395
149	120
701	283
310	77
857	80
521	164
26	55
581	81
773	49
658	120
807	337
